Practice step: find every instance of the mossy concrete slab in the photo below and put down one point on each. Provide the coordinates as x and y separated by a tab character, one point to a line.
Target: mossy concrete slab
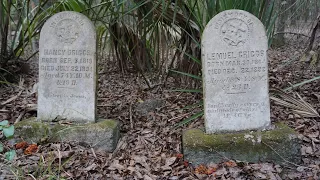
102	135
279	145
32	131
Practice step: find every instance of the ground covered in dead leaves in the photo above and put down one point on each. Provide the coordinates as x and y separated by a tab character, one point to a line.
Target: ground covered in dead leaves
150	147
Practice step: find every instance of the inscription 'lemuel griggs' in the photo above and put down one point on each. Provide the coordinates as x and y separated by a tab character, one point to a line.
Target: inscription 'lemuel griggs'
235	73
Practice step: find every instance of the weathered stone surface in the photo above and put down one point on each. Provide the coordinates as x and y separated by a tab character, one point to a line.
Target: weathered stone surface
102	135
235	73
265	146
67	69
32	131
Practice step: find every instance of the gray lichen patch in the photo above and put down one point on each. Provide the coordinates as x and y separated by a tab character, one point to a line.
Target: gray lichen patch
278	145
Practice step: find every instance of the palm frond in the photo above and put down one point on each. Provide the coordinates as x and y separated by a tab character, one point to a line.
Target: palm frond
299	105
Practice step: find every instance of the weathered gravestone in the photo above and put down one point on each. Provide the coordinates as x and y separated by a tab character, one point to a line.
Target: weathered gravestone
235	73
67	86
236	96
67	69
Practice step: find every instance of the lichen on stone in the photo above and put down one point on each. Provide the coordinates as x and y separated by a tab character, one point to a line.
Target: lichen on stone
251	146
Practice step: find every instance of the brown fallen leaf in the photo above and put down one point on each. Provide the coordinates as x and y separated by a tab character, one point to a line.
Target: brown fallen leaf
31	149
185	163
211	170
146	177
116	166
221	171
259	175
179	156
170	161
317	96
63	154
142	160
11	99
201	169
21	145
230	164
131	169
306	150
91	167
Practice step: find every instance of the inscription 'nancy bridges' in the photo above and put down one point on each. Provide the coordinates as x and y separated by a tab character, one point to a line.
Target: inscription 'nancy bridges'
71	52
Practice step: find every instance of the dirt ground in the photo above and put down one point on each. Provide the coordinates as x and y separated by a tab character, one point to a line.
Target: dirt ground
150	148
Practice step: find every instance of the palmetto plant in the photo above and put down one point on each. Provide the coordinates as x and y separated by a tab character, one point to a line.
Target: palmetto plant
142	33
20	24
200	13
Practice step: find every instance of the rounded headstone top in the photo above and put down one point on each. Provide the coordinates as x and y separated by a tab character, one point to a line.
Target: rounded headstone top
234	29
67	26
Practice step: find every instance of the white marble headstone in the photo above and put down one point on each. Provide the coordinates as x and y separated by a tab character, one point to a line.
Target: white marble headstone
235	73
67	69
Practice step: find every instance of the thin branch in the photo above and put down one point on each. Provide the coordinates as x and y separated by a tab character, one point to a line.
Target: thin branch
299	34
284	159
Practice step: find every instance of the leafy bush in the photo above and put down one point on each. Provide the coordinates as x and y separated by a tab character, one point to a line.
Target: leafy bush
8	131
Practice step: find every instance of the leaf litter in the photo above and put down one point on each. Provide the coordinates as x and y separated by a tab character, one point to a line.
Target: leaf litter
149	147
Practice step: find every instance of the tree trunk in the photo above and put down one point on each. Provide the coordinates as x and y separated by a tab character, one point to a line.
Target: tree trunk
4	32
281	23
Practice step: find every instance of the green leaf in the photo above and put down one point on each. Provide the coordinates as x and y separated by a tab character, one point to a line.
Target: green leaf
10	155
191	57
4	123
1	147
195	116
189	90
194	105
188	74
8	131
302	83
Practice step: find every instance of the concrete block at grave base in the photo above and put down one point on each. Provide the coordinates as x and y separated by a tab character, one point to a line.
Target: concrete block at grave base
102	135
32	131
280	145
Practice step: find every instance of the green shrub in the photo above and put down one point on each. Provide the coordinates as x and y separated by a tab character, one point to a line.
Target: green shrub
8	131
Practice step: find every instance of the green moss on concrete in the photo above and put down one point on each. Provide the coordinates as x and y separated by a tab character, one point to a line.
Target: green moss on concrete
31	130
59	129
245	146
102	135
107	123
198	139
